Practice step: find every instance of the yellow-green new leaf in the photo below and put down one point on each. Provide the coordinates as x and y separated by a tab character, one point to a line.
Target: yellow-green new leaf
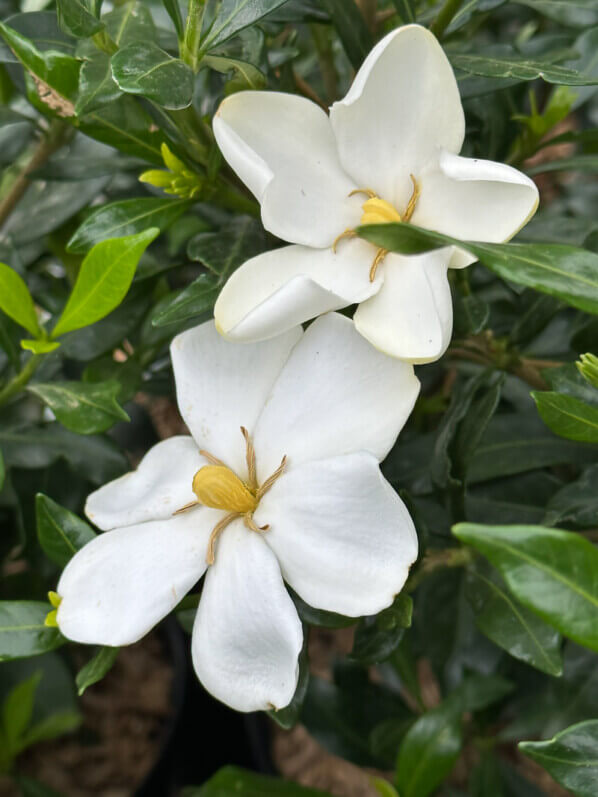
16	301
568	416
39	346
104	279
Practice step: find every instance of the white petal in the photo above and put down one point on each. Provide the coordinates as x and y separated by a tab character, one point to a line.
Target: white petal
160	485
475	200
403	106
411	317
222	386
247	636
279	289
283	148
118	586
335	395
343	537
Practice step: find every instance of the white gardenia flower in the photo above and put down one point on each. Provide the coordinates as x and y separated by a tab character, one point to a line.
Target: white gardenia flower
387	152
278	480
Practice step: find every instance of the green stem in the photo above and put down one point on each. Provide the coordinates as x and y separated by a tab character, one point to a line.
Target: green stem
438	560
323	44
445	16
18	382
191	39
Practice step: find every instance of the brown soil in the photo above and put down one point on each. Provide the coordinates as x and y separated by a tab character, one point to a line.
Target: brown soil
124	717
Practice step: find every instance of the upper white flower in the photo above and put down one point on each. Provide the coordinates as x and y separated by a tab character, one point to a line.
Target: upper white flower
297	495
394	139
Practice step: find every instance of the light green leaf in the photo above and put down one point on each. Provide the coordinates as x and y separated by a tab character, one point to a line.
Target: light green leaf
22	630
126	217
53	726
429	751
39	346
571	757
17	710
60	532
231	17
74	17
569	273
16	301
552	572
85	408
234	780
103	281
520	68
144	68
96	668
567	416
510	625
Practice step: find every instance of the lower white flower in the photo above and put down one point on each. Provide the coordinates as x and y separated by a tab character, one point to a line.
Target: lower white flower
388	151
279	480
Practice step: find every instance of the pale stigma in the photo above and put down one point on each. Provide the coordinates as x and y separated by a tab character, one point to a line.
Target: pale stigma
218	487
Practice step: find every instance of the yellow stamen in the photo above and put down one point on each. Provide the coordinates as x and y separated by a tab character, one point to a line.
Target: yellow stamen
380	255
54	599
216	532
250	459
218	487
413	200
345	234
271	479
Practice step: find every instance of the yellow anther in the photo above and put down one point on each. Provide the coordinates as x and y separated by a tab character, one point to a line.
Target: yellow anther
54	599
379	211
217	486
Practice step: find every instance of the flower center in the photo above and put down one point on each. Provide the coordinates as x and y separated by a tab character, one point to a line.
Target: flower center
379	211
219	487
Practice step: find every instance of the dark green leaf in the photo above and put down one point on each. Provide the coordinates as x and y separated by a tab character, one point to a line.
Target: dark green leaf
33	788
571	757
568	380
567	416
144	68
22	630
319	617
60	532
75	18
429	752
577	13
377	637
470	314
129	22
96	85
233	780
477	692
248	75
223	251
53	726
351	28
124	124
96	668
552	572
510	625
17	709
126	217
405	10
192	302
583	163
569	273
103	281
174	12
520	68
16	301
232	17
576	503
82	407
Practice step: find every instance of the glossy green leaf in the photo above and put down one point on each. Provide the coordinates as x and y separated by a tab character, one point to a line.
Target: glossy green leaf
17	709
476	692
567	416
96	84
577	502
82	407
22	630
60	532
571	757
223	251
103	281
57	70
232	17
242	782
429	751
75	18
569	273
96	668
126	217
319	617
552	572
377	637
125	125
510	625
144	68
16	301
192	302
39	346
248	75
520	68
351	28
129	22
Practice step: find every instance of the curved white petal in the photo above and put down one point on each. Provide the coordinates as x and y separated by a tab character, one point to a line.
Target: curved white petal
160	485
118	586
279	289
283	148
222	386
475	200
411	317
343	537
335	395
247	636
403	106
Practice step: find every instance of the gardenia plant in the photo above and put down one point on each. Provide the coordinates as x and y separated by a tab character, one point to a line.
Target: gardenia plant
279	480
388	152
